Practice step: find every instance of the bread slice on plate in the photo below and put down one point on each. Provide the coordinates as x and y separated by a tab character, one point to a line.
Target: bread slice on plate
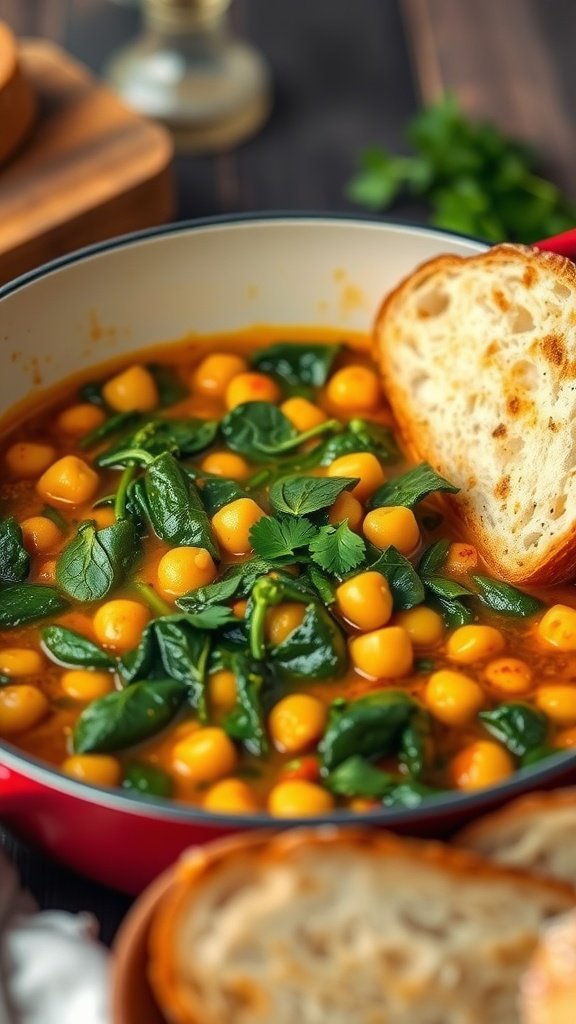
537	833
346	926
478	356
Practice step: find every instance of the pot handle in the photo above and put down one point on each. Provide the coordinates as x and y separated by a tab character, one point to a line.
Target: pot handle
15	790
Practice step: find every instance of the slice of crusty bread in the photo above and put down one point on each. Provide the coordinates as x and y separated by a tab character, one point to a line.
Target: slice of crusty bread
478	356
346	926
537	832
548	989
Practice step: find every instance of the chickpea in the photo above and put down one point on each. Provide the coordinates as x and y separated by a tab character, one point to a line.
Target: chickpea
94	769
383	654
119	624
480	764
394	525
296	722
21	708
213	375
566	740
228	465
423	625
85	685
233	522
103	516
18	662
461	558
40	535
303	415
283	620
348	509
365	600
239	608
354	389
205	755
230	796
47	571
27	459
509	675
558	702
69	481
80	419
472	643
452	697
557	628
362	465
185	568
133	390
251	387
297	798
222	689
362	804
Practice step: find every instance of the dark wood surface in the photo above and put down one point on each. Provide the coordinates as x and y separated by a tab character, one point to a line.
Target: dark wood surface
346	77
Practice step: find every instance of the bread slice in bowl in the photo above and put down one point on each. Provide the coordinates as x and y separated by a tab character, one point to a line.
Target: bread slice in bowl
350	926
478	356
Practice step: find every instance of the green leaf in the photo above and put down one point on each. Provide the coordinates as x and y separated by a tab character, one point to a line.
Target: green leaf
256	687
14	559
370	727
322	585
433	558
95	562
358	777
337	549
296	363
281	541
405	585
519	727
455	613
91	392
379	180
70	648
257	430
181	437
359	436
216	493
415	744
175	507
213	617
112	425
408	794
27	602
303	495
147	780
446	589
410	488
237	581
507	600
169	384
316	649
173	648
125	717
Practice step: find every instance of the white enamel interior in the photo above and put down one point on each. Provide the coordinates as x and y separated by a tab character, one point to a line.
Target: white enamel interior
208	278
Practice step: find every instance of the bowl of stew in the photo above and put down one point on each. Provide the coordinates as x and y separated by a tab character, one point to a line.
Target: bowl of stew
226	598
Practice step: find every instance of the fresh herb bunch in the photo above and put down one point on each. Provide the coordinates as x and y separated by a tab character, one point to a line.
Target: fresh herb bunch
475	179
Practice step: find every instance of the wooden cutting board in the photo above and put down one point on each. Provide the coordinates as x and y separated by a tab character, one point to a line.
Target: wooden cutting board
90	169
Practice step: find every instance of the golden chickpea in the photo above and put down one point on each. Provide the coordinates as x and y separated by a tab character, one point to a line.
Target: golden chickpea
27	459
365	600
348	509
354	389
228	465
423	625
566	740
461	558
21	708
296	722
509	675
103	516
205	755
222	689
185	568
230	796
80	419
69	481
482	763
40	535
393	525
452	697
239	608
362	465
94	769
473	643
85	685
213	375
251	387
119	624
557	628
18	662
283	620
233	522
383	654
297	798
558	702
132	390
303	415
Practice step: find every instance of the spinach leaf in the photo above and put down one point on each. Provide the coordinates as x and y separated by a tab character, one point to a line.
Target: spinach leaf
296	363
237	581
14	559
446	589
520	727
410	488
91	392
358	777
147	780
126	717
113	425
155	436
26	602
57	518
281	541
433	558
96	561
173	648
443	593
359	436
255	686
216	493
370	727
169	384
337	549
70	648
408	794
316	649
455	613
174	506
507	600
213	617
303	495
415	744
258	430
405	585
321	584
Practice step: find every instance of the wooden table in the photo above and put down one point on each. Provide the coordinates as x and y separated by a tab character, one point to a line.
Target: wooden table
347	75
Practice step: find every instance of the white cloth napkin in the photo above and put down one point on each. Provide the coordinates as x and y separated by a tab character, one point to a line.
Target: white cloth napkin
52	968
